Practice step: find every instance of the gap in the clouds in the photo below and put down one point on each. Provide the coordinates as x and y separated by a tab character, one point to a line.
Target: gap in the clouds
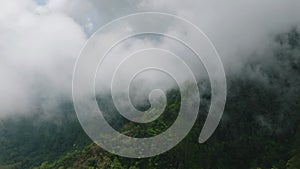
41	2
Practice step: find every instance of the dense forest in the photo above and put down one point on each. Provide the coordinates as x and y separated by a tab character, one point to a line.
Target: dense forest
260	127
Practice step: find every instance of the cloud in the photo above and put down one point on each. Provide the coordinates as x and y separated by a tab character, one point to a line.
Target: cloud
237	28
39	42
38	49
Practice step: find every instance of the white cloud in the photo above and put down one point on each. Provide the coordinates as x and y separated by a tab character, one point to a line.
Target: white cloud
237	28
39	43
37	46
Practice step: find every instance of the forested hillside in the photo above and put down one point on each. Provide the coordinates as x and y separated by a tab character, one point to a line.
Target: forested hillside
260	127
26	141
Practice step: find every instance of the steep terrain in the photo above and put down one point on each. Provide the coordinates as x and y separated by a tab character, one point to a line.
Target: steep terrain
260	127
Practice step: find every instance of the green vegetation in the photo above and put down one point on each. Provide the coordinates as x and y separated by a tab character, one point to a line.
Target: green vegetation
260	127
27	141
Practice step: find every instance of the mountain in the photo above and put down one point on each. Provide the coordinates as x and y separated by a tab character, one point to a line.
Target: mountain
28	140
260	127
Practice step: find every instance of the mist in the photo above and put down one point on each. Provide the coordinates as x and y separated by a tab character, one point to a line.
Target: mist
40	42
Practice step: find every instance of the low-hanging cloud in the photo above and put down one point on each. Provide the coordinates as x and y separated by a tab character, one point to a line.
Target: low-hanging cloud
39	43
37	50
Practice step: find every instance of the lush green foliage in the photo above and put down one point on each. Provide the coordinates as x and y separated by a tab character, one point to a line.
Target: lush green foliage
27	141
260	127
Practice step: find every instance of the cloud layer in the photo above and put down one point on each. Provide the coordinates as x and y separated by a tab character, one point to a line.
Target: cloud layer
37	51
39	43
